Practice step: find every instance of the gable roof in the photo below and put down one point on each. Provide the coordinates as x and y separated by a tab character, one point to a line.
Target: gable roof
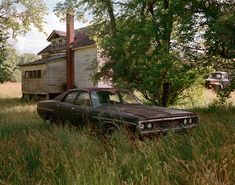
44	60
81	39
46	49
56	33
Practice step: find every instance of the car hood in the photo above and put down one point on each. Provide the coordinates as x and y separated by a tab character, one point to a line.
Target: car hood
145	112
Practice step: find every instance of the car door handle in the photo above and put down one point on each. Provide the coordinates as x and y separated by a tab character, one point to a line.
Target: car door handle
73	108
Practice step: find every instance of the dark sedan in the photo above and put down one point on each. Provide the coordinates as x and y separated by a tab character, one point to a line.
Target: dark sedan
107	109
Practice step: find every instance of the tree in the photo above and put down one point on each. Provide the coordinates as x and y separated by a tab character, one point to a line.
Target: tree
27	57
220	41
13	58
5	68
156	47
17	17
9	60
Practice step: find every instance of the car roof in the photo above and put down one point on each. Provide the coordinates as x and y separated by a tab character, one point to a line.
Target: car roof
89	89
99	89
223	72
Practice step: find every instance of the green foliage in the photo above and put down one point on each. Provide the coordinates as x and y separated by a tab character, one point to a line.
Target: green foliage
220	41
5	68
147	45
15	58
69	6
9	60
19	16
26	58
225	93
16	17
220	35
147	50
147	73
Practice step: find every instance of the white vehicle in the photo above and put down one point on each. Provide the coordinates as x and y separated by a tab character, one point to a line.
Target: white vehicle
217	80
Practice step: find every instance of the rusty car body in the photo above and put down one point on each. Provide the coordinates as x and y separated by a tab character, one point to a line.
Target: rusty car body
217	80
107	109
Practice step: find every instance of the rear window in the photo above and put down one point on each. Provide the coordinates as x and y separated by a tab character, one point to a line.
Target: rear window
70	97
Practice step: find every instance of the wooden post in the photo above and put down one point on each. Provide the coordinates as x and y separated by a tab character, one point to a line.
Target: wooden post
69	51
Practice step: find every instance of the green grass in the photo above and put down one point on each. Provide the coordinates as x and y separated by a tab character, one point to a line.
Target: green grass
32	152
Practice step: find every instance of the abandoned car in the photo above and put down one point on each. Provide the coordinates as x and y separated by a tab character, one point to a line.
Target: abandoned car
107	109
217	80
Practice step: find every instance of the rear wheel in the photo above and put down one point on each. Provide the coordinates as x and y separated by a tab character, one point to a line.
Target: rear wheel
55	121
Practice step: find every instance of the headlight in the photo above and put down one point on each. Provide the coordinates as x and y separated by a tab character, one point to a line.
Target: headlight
149	126
185	121
142	126
190	121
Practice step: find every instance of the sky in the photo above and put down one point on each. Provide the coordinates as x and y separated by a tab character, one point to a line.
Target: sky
34	41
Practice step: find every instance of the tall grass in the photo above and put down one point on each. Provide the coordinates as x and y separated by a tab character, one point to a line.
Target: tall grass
32	152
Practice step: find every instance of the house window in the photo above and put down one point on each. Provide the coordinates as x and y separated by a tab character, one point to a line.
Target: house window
60	42
64	42
33	74
54	45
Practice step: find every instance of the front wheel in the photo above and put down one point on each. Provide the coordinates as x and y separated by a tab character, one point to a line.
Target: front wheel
109	129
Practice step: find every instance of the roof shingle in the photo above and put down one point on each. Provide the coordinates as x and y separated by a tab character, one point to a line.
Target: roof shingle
44	60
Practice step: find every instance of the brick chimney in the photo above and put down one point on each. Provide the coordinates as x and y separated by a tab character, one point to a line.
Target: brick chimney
69	51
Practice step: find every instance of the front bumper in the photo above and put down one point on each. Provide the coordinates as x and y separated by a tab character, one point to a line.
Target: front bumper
164	131
164	125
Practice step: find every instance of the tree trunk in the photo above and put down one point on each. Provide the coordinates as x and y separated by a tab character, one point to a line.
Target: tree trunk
110	10
165	94
166	42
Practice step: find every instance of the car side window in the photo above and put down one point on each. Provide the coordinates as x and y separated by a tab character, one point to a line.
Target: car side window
70	97
225	76
83	99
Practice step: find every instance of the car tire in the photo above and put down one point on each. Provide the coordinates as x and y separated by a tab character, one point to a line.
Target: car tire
109	129
55	121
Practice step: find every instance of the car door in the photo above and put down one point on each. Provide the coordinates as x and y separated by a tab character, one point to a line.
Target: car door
65	107
82	109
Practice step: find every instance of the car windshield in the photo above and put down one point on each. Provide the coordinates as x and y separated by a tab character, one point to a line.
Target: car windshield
217	75
100	98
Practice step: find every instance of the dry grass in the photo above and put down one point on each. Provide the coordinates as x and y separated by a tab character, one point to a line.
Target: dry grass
10	90
32	152
209	96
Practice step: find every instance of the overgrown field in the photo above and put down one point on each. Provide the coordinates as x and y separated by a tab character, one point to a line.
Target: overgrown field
32	152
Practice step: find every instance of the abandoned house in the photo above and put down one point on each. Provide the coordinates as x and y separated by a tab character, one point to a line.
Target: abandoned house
65	63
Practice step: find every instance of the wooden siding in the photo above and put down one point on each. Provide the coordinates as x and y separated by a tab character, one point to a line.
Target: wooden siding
53	74
53	78
56	76
84	59
34	85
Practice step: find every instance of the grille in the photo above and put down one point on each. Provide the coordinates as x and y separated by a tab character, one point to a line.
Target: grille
170	123
167	124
